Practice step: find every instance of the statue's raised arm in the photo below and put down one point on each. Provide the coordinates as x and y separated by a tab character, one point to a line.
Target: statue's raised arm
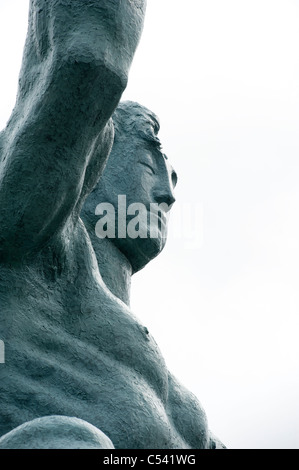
75	67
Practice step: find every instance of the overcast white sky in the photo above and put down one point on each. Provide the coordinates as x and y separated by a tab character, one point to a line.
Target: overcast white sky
223	76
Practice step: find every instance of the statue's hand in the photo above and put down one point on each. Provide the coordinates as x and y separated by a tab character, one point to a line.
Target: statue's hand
56	432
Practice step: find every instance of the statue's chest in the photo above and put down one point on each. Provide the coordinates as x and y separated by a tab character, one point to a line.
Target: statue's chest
116	380
84	354
109	328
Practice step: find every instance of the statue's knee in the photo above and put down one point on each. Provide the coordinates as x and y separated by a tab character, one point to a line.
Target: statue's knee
56	432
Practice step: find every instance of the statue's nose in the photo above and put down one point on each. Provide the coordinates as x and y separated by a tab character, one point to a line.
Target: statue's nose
166	197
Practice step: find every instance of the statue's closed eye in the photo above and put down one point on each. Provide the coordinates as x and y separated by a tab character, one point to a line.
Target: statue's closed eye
148	166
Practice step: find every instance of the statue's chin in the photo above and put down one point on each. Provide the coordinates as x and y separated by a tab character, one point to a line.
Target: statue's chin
140	251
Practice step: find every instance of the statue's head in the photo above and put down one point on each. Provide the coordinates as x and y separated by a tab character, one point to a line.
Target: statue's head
137	181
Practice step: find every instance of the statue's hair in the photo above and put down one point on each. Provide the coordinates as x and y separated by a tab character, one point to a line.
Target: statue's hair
130	118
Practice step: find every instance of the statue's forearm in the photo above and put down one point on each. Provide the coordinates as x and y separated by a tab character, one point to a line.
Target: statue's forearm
103	32
94	39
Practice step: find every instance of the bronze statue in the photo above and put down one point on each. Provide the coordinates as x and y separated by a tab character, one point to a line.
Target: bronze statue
80	370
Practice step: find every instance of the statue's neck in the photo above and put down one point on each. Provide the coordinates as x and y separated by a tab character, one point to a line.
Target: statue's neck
114	267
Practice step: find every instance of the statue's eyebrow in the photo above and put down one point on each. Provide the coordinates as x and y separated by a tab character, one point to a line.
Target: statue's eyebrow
153	142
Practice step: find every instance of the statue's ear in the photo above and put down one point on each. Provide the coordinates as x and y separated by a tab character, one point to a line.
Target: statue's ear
41	30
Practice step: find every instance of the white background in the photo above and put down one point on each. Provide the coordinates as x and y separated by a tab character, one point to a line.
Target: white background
223	76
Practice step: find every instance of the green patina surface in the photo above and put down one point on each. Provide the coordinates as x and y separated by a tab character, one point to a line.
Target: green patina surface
80	369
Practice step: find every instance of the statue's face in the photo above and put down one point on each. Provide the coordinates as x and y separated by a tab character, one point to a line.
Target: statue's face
138	170
150	180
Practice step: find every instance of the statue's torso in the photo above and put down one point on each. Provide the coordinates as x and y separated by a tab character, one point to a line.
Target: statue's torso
73	349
